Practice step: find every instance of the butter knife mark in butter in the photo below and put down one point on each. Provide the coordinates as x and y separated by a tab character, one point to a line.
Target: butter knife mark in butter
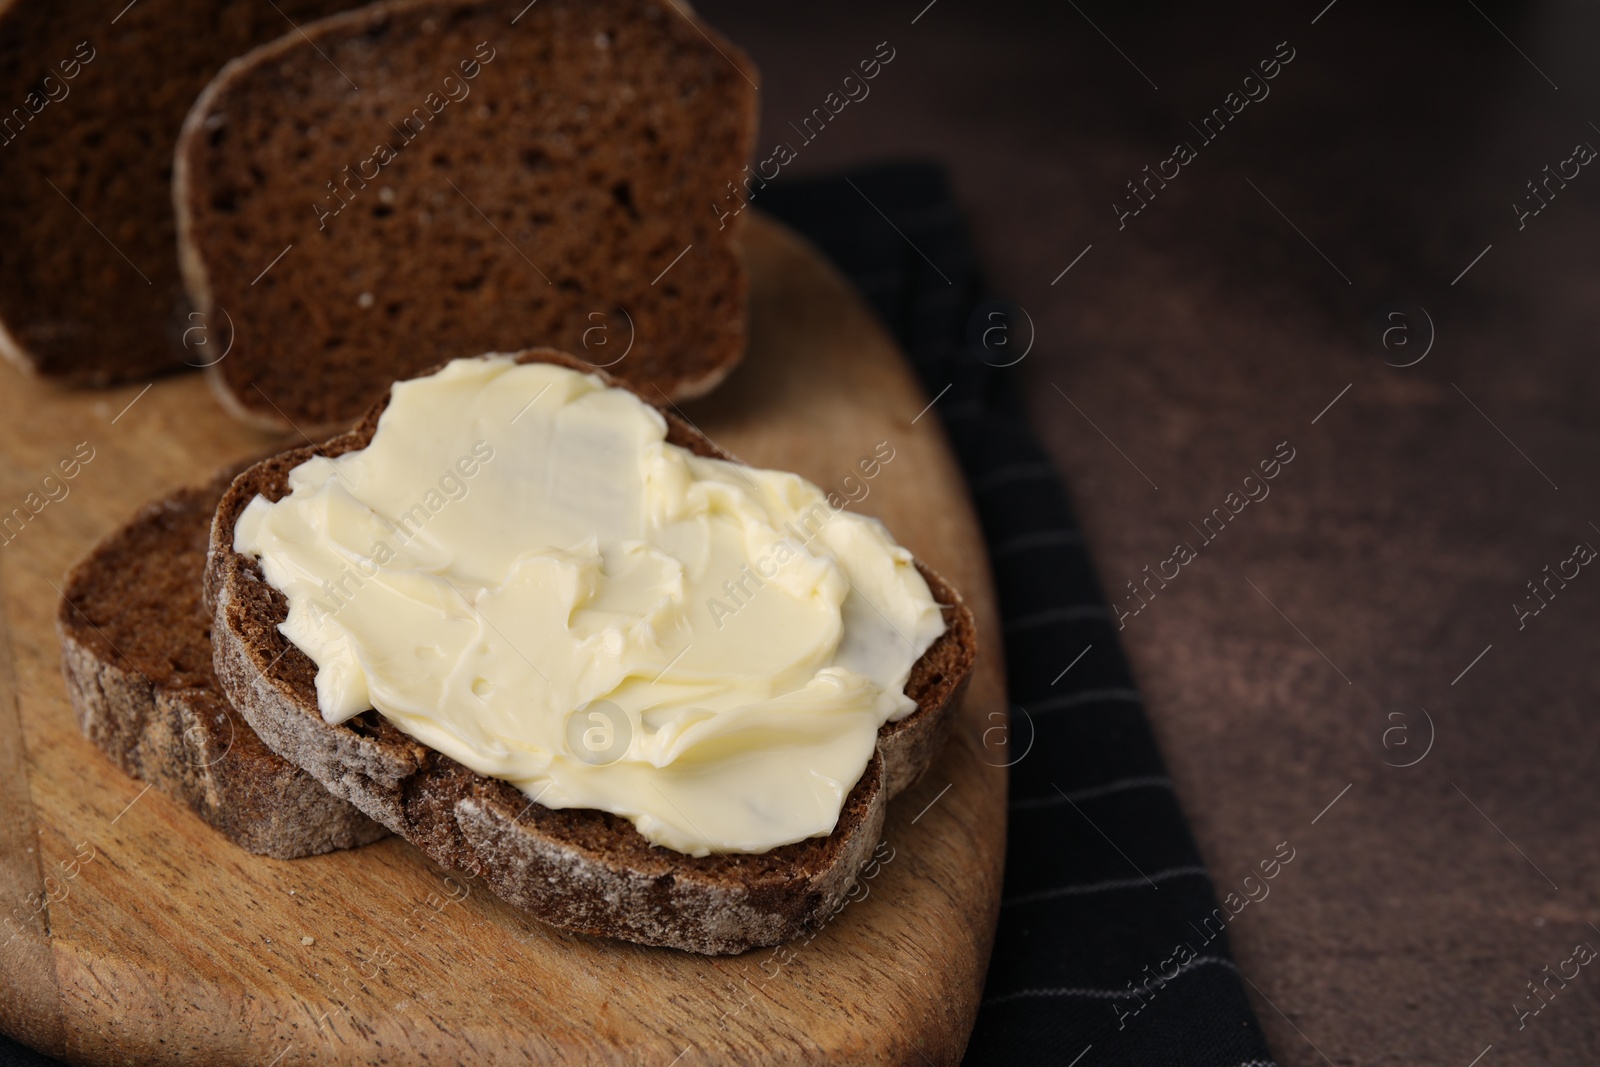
738	640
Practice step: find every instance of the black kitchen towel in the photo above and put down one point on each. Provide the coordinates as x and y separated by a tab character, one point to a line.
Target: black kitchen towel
1111	947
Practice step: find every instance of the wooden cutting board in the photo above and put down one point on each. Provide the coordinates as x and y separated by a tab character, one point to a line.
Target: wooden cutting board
134	933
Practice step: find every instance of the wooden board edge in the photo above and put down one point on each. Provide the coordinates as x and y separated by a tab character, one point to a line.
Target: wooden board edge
30	999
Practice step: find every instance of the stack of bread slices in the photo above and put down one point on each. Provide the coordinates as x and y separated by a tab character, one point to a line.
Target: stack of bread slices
373	193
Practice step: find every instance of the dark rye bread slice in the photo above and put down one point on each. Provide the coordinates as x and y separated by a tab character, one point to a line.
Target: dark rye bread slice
92	96
136	653
508	175
580	869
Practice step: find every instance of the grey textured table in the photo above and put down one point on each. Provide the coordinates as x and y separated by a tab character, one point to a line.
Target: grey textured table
1365	613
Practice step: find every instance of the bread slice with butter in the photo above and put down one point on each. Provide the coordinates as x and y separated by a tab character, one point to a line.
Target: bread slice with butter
508	174
578	868
136	655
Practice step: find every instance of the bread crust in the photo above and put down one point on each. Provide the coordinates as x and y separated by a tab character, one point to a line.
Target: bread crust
126	655
579	869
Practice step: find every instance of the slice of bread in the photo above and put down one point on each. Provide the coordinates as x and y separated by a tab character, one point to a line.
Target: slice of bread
583	870
91	100
136	653
509	174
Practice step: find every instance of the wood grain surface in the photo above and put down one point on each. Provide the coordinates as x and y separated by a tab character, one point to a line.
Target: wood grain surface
133	933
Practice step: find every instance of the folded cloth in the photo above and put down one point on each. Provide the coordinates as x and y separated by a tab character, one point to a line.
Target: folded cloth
1110	948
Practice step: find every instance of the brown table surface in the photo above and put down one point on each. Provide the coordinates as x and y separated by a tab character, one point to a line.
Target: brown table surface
1379	577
